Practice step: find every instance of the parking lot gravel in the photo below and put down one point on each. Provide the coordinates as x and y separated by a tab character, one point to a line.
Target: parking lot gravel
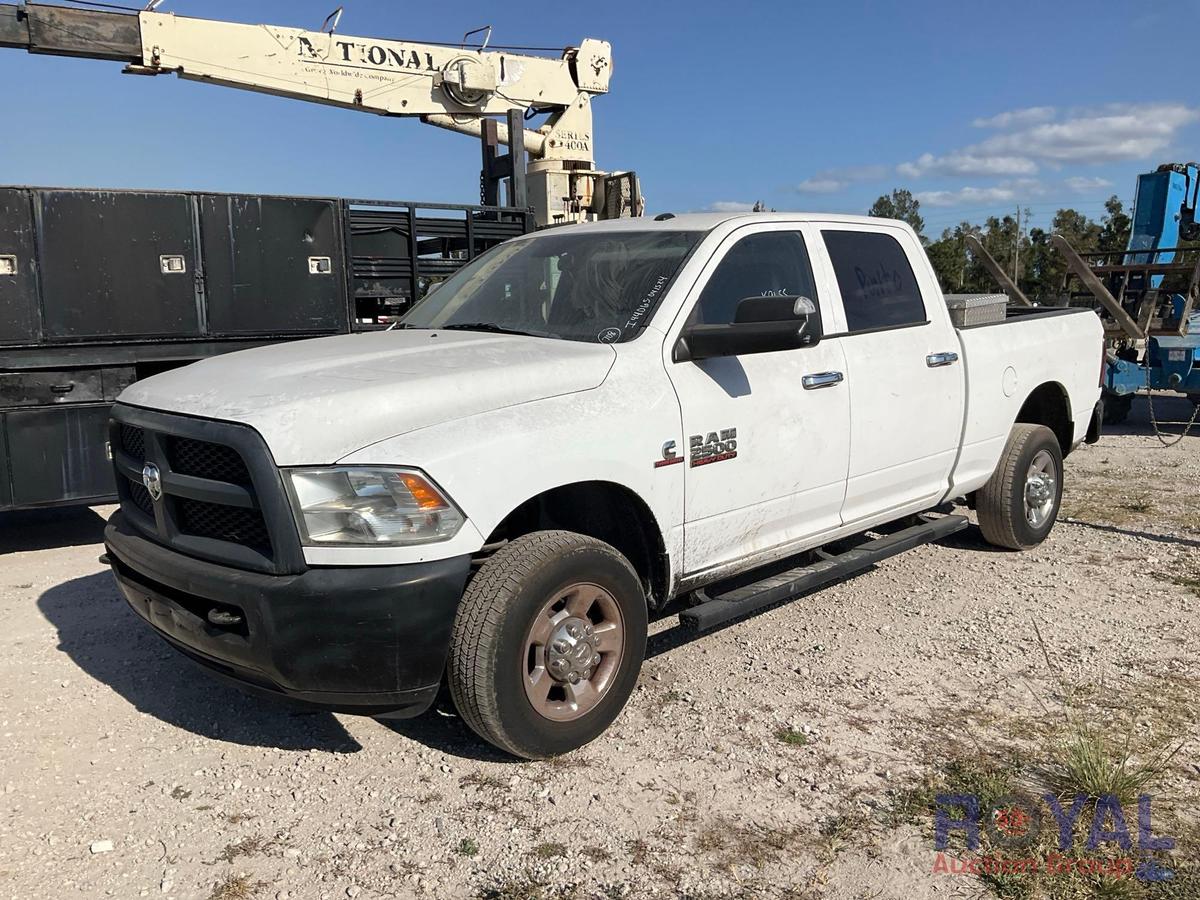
747	763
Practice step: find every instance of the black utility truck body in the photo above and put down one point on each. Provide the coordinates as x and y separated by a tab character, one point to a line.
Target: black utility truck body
99	288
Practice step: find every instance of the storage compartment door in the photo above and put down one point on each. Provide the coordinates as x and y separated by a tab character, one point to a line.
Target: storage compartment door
5	481
59	454
273	265
18	276
118	264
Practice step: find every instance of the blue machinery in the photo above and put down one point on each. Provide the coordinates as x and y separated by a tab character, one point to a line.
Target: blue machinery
1149	294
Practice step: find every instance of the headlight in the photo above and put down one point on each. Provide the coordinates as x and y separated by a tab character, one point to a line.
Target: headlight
352	505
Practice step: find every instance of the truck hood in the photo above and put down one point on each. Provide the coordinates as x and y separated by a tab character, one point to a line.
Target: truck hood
318	400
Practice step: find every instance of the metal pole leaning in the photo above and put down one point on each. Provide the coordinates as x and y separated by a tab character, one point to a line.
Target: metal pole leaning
1007	284
1096	286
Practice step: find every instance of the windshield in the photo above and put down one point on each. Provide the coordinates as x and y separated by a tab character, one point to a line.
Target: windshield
599	286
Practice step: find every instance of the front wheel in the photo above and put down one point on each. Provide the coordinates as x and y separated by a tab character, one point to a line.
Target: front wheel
548	643
1019	504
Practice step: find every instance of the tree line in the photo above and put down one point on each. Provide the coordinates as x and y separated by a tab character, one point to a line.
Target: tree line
1041	271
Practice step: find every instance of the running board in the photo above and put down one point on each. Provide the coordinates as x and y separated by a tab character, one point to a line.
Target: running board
795	582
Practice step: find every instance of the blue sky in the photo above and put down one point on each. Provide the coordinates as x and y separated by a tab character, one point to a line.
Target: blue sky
806	105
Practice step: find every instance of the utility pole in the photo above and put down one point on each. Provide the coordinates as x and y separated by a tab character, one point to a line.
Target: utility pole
1017	249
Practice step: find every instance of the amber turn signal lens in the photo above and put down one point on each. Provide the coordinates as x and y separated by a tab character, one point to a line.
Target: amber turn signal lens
423	492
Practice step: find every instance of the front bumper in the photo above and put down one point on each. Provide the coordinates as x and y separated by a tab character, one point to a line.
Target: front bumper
370	640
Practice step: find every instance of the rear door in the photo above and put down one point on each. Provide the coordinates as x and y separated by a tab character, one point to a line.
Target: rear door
766	451
905	380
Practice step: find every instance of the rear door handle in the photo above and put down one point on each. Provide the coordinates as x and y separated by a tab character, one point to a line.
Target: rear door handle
822	380
933	360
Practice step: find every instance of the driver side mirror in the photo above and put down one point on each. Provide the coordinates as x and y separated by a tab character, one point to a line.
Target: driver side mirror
760	325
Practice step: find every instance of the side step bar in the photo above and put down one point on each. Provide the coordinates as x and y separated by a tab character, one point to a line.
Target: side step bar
793	583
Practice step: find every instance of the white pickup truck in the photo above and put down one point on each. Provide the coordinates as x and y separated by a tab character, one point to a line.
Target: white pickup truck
573	431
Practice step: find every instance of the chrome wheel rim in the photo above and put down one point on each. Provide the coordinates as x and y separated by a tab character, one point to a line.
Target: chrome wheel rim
573	651
1041	489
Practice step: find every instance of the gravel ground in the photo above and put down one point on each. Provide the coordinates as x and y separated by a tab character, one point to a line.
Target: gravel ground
128	773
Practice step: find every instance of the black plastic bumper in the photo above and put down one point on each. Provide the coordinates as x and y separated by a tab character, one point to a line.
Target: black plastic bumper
371	639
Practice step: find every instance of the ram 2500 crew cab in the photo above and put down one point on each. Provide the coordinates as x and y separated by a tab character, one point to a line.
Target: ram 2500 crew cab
573	430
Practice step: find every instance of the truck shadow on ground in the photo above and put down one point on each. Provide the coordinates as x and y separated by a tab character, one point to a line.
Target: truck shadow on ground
1131	532
47	529
108	642
971	538
676	635
441	729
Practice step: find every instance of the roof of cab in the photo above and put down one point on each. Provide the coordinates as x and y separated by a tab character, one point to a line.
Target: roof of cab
709	221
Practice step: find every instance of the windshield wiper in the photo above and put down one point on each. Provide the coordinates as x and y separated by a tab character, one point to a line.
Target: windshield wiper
491	327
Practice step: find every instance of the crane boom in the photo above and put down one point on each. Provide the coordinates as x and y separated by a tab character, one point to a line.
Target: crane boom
450	87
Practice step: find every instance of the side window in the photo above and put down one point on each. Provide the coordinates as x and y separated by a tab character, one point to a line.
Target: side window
879	289
769	264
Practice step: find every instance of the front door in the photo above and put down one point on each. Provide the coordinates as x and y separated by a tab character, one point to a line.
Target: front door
767	433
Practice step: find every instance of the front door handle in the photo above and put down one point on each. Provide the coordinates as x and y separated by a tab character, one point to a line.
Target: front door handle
933	360
822	380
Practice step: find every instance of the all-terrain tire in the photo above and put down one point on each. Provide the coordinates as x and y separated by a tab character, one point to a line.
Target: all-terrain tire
1001	503
488	647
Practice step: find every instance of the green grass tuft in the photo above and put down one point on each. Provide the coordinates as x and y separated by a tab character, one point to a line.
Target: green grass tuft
1088	761
791	736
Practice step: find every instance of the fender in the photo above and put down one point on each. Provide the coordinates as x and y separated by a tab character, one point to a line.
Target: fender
489	464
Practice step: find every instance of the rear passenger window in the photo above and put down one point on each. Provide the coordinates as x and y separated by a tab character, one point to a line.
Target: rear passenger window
879	289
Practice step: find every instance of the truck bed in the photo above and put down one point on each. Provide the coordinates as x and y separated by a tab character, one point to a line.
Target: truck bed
1025	313
1005	361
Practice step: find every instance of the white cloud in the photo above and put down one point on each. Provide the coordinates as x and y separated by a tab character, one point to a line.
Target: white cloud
1026	116
1116	132
1084	185
1005	165
731	206
1031	138
963	196
1026	187
968	163
831	181
819	185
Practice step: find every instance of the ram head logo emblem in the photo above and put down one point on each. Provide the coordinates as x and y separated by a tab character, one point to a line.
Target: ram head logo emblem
152	479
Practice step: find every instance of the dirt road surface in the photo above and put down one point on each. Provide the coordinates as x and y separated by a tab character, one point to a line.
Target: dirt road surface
762	760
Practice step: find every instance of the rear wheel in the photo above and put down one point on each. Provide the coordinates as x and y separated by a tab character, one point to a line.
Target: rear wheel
548	643
1019	504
